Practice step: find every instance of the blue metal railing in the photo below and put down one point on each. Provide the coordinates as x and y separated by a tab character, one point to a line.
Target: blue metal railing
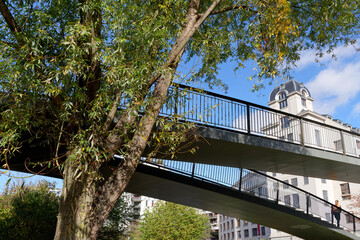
215	110
261	185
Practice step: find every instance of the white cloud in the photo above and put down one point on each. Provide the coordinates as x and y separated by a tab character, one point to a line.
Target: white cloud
308	57
356	110
335	86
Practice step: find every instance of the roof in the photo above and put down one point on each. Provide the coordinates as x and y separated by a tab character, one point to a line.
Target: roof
289	87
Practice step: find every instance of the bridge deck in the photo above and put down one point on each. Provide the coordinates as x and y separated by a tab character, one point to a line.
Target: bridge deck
237	149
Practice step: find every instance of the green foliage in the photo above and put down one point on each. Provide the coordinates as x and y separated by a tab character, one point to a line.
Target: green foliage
172	221
43	66
119	220
28	212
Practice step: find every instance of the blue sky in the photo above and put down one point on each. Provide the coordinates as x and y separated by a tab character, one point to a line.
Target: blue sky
334	85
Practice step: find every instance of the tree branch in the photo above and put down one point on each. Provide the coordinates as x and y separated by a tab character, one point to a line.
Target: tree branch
231	8
9	19
16	30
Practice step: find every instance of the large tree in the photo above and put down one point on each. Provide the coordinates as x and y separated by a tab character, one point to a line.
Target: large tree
86	79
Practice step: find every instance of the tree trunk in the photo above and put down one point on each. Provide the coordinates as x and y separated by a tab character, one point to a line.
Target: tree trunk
86	203
75	205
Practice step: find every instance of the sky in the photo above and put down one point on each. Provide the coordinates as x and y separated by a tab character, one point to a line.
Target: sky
334	85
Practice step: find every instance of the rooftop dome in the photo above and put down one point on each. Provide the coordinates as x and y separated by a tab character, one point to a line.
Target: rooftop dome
288	87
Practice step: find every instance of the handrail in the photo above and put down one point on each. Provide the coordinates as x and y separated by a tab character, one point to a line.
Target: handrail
225	177
198	90
302	190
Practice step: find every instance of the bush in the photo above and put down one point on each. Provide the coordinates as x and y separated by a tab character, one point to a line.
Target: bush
28	212
167	221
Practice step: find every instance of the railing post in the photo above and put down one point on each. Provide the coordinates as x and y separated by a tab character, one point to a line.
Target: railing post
248	118
307	203
277	193
176	100
193	170
240	180
302	132
342	142
354	224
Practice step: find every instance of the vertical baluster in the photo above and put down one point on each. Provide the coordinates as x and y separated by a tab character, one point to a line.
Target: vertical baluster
248	118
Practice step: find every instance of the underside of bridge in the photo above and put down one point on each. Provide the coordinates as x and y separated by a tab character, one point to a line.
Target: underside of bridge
184	190
237	149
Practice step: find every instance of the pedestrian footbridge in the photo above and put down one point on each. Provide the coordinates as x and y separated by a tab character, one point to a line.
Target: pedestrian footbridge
244	194
236	133
241	134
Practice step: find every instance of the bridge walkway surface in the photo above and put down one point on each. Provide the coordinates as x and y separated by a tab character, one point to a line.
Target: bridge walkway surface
260	198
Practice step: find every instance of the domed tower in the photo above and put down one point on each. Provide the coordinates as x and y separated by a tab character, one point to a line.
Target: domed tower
292	97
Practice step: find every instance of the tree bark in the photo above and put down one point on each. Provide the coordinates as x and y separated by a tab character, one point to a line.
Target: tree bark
75	206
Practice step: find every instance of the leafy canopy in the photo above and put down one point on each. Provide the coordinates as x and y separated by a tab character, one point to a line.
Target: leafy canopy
62	69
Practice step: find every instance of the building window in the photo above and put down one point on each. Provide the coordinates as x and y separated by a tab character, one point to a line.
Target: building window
239	234
254	232
294	182
323	180
325	195
283	100
296	200
345	188
286	186
232	224
338	146
285	122
232	235
358	144
246	233
306	180
263	231
303	98
345	191
346	197
317	138
287	200
238	222
303	102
